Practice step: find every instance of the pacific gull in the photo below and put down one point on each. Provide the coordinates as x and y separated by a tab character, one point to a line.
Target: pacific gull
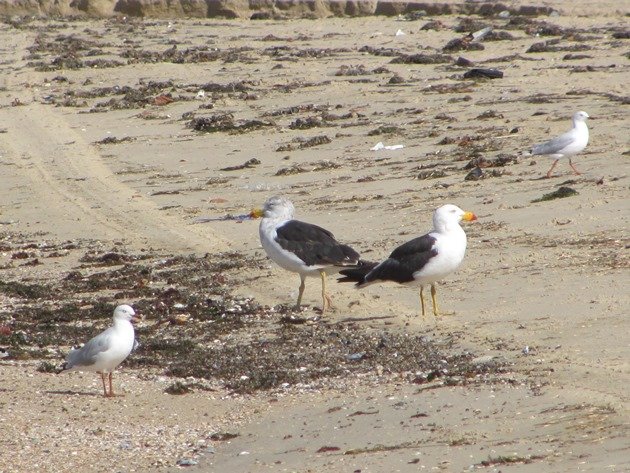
301	247
423	260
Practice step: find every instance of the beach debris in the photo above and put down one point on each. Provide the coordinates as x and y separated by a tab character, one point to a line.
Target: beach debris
560	193
163	99
431	174
358	70
478	73
296	168
482	360
474	175
327	448
462	44
250	163
238	218
303	143
186	462
293	319
552	46
435	25
222	436
112	140
178	388
226	122
379	146
356	356
469	42
421	58
489	114
396	79
308	122
500	161
463	62
400	33
44	366
385	130
478	173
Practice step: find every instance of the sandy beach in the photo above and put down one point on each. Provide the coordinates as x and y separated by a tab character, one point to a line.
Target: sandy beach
131	149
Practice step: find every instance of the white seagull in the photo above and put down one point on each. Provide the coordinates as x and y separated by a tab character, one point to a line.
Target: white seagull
566	145
423	260
107	350
300	247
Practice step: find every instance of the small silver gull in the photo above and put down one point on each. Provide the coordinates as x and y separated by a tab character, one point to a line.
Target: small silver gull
566	145
301	247
424	260
106	351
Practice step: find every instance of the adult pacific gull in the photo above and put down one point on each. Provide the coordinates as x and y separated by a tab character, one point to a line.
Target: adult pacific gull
566	145
301	247
423	260
108	349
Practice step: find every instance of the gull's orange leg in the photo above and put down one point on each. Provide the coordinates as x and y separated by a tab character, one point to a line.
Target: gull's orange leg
551	168
111	388
573	167
103	376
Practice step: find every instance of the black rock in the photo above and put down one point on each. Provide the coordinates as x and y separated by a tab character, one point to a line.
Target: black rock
474	175
483	73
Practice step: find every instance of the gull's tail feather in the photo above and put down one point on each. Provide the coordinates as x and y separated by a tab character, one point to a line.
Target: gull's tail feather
357	274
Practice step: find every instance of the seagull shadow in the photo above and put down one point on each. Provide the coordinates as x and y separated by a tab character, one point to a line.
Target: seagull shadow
69	392
364	319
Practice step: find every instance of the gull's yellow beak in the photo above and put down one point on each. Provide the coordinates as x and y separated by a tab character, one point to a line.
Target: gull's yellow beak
256	213
469	216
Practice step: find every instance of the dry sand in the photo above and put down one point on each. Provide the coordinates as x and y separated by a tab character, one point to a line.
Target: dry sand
550	276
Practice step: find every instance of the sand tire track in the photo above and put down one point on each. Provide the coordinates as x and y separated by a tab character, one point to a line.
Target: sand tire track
74	184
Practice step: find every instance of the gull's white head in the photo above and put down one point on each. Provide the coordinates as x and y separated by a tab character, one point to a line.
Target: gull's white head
450	214
278	207
580	116
125	313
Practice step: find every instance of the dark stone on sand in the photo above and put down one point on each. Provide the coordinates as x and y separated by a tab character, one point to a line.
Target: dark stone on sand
463	62
483	74
462	44
474	175
421	58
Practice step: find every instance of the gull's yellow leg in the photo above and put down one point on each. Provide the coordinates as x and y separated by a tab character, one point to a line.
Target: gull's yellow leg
422	301
326	300
436	312
299	301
